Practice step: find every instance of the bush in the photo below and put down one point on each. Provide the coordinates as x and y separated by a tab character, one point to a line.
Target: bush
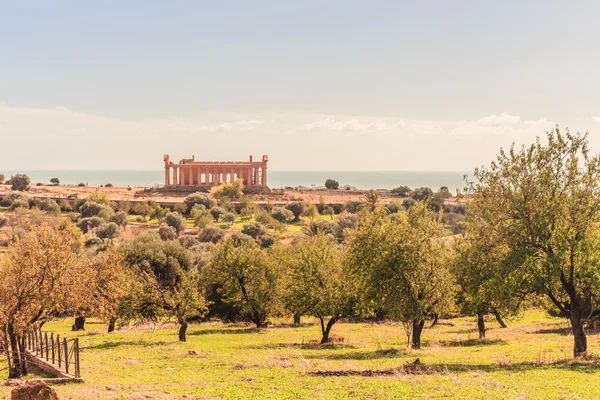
200	198
297	208
254	229
240	238
108	185
328	211
55	181
436	203
2	178
281	214
3	221
332	184
93	241
421	193
108	231
49	205
231	190
264	218
8	199
65	206
444	192
167	232
181	208
20	182
217	213
408	203
81	184
267	241
176	221
89	223
19	203
401	191
393	207
141	219
142	209
119	218
92	209
229	218
210	234
353	206
187	241
347	221
460	227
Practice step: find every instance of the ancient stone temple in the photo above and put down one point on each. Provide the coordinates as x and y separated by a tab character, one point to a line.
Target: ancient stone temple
189	172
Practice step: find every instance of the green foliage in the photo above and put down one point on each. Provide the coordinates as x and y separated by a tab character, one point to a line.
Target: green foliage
55	181
254	229
20	182
249	279
229	218
401	191
89	223
203	199
119	218
2	178
217	213
281	214
181	208
176	221
3	221
421	193
92	209
49	205
108	231
211	234
297	208
19	203
541	203
167	232
332	184
230	190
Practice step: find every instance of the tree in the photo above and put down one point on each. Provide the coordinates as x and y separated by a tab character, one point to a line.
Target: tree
297	208
200	198
50	206
402	266
281	214
167	232
108	231
229	218
210	234
120	218
318	283
170	283
88	224
332	184
2	178
92	209
42	274
217	213
248	277
158	213
401	191
55	181
542	203
20	182
254	229
175	220
230	190
421	193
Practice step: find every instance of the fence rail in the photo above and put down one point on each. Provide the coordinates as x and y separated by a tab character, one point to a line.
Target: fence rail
63	353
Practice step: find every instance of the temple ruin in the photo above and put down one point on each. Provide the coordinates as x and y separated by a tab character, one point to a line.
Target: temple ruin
189	172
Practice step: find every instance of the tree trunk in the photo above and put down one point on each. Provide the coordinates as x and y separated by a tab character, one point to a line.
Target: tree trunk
417	328
257	319
481	326
79	324
499	318
111	325
579	338
182	329
17	364
296	319
435	320
325	330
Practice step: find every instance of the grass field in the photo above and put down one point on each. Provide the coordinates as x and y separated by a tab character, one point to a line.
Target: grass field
531	359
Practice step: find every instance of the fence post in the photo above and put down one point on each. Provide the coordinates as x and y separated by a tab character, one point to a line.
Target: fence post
76	355
41	344
66	349
46	340
52	341
58	345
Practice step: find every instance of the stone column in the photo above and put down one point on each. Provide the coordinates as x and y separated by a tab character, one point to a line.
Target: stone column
167	171
264	174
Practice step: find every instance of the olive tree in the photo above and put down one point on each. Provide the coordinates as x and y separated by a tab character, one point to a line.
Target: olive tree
318	283
20	182
401	265
542	202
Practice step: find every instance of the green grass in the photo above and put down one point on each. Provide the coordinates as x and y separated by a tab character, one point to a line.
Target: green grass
530	359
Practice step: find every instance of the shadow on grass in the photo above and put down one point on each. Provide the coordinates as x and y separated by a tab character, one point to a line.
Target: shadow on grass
112	345
416	368
225	331
556	331
471	342
307	346
359	355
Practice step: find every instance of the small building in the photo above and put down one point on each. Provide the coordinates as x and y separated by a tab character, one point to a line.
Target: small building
189	172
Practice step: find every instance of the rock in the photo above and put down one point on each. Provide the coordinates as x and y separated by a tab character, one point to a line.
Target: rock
33	390
191	353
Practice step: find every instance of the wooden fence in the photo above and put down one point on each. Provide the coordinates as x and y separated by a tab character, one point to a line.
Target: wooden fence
62	353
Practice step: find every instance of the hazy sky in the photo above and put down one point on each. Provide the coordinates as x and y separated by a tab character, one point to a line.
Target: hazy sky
317	85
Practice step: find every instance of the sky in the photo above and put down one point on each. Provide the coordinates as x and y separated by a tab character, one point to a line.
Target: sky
316	85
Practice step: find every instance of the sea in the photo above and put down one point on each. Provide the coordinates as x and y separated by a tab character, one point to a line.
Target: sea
276	179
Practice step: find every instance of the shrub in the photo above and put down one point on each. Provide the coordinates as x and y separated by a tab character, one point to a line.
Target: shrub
88	224
81	184
49	205
187	241
240	238
210	234
217	213
229	218
119	218
200	198
108	185
421	193
436	203
297	208
328	211
19	203
353	206
93	241
401	191
20	182
167	232
3	221
408	203
2	178
141	219
267	241
264	217
181	208
332	184
141	209
9	199
460	227
176	221
393	207
231	190
108	231
444	192
347	221
55	181
91	209
281	214
65	206
254	229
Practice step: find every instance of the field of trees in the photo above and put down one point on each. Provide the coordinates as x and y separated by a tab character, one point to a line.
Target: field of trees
490	295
